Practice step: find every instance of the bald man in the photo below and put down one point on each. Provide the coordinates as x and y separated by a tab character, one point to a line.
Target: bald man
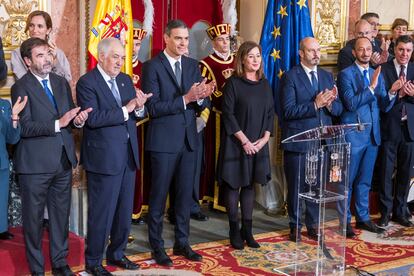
308	100
362	29
363	95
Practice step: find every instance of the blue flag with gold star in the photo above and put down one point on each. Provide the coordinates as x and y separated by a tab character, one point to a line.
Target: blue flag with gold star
285	24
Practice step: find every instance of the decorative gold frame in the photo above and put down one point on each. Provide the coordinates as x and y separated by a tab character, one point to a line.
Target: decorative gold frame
387	27
13	33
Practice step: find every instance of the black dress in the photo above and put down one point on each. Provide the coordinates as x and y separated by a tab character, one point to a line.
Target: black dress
247	106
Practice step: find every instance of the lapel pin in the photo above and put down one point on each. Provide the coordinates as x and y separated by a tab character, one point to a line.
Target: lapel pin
122	84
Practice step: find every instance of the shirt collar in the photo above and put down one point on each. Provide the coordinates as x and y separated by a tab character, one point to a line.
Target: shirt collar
223	56
104	75
361	69
172	60
40	79
307	69
397	65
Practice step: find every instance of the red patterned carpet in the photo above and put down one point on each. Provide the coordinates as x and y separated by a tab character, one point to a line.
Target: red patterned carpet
388	254
369	252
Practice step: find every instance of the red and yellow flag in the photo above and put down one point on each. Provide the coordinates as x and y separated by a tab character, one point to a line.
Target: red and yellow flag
113	18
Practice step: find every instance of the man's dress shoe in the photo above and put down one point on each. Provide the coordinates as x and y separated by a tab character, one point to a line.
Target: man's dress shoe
199	216
369	226
6	235
123	263
403	221
383	221
349	231
62	271
188	253
98	270
161	257
312	234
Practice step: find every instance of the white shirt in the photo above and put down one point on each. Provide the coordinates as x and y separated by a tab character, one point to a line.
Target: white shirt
138	112
398	67
223	56
309	70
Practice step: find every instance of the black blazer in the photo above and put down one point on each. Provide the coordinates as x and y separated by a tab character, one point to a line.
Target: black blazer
106	135
390	125
40	147
171	124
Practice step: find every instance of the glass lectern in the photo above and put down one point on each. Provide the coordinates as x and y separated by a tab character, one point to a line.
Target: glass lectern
326	187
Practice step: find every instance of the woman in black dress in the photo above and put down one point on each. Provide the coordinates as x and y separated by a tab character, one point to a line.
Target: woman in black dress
244	152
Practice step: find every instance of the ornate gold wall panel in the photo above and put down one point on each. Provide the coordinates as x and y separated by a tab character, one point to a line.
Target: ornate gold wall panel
13	14
329	23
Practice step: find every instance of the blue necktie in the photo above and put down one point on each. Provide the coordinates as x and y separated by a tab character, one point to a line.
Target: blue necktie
115	92
315	86
49	94
366	78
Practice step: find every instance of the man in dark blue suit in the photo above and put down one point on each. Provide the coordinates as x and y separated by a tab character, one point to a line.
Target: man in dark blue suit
308	100
363	29
179	92
363	94
109	155
397	131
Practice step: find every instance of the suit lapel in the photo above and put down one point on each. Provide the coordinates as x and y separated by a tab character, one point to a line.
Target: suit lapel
105	88
121	87
410	71
167	66
358	77
38	92
305	80
58	93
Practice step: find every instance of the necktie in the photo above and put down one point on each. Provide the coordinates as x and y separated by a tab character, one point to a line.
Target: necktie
178	72
366	78
115	92
403	110
315	86
402	71
49	94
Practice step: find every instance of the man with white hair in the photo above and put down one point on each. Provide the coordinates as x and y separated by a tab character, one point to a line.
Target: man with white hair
109	155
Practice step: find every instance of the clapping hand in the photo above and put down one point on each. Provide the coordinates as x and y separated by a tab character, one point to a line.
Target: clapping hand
375	76
141	98
82	116
18	106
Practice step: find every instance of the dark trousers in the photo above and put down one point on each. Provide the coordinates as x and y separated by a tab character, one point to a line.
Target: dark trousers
110	202
195	205
294	167
166	167
54	191
393	194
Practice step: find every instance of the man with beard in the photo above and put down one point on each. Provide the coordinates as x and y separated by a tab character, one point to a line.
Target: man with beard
308	100
363	94
397	131
45	155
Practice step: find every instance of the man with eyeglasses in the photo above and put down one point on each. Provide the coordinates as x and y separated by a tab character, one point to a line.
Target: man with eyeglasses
362	29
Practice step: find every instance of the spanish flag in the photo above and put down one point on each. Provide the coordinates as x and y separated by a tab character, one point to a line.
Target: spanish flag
113	18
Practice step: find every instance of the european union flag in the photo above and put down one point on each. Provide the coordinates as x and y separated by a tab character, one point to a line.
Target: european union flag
285	24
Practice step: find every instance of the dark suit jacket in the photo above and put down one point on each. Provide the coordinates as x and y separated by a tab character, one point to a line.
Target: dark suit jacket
361	106
40	146
390	125
3	65
345	57
106	134
171	124
298	109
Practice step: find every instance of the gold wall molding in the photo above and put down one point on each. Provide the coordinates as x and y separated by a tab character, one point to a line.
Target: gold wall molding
13	16
329	23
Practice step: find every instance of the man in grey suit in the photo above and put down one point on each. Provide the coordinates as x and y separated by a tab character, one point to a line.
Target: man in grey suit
45	155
